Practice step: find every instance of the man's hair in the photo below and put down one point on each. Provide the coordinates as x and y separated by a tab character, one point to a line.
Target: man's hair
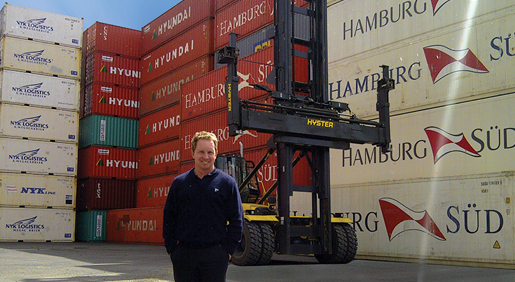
206	136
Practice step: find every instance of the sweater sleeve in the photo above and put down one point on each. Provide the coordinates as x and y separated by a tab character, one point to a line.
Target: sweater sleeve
234	213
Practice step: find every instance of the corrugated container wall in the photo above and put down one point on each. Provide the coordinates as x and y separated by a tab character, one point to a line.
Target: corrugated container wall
46	225
117	40
244	17
31	190
166	90
91	226
159	159
207	93
195	43
217	124
108	131
152	192
106	68
103	162
175	21
41	58
109	100
39	157
41	26
38	123
39	90
105	194
159	126
140	226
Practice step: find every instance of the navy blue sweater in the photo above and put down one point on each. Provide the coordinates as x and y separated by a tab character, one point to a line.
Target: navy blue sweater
197	211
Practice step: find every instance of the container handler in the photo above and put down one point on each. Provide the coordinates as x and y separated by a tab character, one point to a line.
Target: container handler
305	124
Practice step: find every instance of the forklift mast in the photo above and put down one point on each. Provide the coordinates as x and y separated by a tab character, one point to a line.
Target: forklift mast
302	119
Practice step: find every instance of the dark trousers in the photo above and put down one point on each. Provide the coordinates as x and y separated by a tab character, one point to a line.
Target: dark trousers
198	265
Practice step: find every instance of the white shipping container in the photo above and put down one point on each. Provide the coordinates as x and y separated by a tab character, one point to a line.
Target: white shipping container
39	90
429	71
42	58
37	225
31	190
459	219
38	157
39	123
42	26
357	26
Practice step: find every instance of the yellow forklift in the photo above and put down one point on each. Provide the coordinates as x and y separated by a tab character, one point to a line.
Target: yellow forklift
304	124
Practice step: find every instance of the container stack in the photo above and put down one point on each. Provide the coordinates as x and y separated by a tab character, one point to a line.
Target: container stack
108	137
39	114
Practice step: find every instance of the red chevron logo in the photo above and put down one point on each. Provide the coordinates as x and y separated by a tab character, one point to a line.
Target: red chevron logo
437	4
443	61
443	143
398	219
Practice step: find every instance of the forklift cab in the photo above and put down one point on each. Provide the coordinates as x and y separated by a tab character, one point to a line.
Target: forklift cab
239	168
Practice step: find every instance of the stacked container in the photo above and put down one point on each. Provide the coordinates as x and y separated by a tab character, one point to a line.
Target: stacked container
108	135
39	114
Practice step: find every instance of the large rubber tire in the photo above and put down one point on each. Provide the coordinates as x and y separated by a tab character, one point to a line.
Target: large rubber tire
344	245
257	244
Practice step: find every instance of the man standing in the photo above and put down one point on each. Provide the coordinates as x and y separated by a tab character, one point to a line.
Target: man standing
203	216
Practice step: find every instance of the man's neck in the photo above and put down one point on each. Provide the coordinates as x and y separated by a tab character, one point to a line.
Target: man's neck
201	173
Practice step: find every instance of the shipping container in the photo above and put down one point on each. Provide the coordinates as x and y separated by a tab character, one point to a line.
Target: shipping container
108	131
160	126
91	226
41	58
178	19
103	67
195	43
206	94
104	162
219	4
187	165
38	124
37	225
461	64
244	17
152	192
38	157
39	90
139	225
463	220
376	24
166	90
217	124
116	40
109	100
31	190
159	159
41	26
105	194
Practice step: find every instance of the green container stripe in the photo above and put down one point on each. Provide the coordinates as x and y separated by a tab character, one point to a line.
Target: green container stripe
108	131
91	226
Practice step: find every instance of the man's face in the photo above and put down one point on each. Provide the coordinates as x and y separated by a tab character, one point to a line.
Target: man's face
204	155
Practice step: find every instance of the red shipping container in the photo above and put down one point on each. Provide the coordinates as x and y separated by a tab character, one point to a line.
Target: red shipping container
244	17
185	48
102	162
117	40
166	90
109	100
187	165
159	159
106	68
222	3
159	126
173	22
152	192
139	225
105	194
217	124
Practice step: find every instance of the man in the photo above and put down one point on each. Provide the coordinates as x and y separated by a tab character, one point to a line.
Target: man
203	216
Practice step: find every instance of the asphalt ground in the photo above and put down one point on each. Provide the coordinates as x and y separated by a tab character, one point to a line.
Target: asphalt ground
38	262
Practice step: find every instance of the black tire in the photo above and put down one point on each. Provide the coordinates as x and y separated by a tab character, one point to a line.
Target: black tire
256	246
344	245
